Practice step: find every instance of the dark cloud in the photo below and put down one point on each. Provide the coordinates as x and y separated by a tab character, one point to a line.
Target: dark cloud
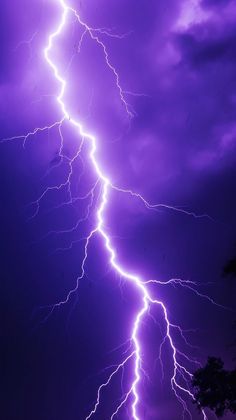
209	49
215	4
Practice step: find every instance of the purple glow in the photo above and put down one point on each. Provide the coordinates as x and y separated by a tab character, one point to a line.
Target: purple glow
180	372
140	285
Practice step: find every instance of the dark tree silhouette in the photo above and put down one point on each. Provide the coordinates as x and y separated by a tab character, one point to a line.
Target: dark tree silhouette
230	268
215	387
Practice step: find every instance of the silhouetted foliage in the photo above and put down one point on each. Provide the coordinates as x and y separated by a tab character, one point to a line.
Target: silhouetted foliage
215	387
230	268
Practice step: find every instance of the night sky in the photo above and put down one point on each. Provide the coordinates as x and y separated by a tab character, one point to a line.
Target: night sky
176	66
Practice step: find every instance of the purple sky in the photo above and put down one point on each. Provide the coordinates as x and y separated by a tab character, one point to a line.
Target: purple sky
176	65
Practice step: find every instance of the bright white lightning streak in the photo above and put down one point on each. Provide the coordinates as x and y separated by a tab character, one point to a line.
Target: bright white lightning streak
99	228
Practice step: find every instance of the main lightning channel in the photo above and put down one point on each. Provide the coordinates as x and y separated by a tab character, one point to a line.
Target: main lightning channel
140	285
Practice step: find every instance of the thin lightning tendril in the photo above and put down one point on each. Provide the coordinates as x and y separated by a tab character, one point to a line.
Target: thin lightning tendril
181	376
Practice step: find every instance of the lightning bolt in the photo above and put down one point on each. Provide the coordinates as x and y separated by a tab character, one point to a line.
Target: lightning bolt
181	375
